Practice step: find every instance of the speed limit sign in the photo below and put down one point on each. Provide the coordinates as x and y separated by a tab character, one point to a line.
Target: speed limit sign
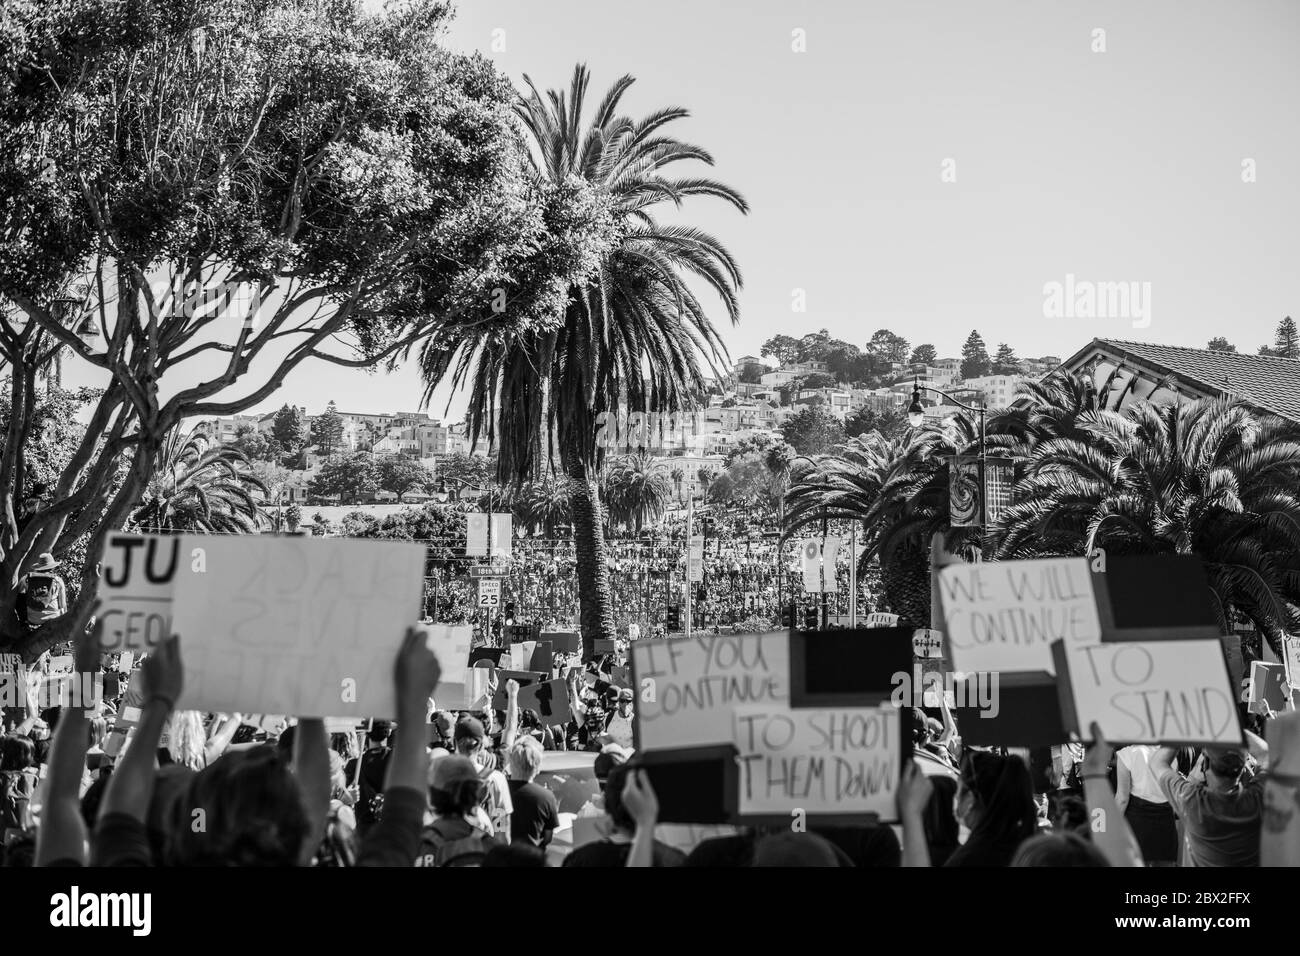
489	592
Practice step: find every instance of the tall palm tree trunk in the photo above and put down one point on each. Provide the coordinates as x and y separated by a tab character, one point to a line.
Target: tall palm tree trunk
594	595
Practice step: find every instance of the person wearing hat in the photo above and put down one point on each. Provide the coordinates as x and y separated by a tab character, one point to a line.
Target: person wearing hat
44	596
460	833
470	742
1222	813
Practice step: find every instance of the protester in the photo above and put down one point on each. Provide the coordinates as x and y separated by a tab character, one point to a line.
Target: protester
469	737
1221	813
1145	806
43	595
995	801
615	847
366	774
535	812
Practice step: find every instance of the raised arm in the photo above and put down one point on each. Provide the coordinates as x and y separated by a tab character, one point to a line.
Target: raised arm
511	729
395	840
130	788
914	792
311	765
643	806
62	834
1112	837
1123	785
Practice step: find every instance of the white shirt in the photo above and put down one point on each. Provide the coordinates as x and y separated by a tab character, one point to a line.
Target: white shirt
1137	760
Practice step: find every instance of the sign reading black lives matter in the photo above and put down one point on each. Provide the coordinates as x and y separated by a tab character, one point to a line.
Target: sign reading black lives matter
135	590
293	625
1004	616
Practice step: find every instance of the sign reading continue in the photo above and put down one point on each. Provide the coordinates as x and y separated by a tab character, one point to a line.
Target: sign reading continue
1003	616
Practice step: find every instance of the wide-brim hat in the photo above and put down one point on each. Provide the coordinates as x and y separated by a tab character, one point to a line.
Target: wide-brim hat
45	562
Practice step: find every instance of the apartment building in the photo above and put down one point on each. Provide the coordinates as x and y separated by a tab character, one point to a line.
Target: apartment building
997	391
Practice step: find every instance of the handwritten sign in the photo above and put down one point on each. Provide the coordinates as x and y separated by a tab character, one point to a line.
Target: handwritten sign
881	619
1291	653
305	626
136	590
1175	692
831	761
1004	615
927	643
450	643
694	685
1267	692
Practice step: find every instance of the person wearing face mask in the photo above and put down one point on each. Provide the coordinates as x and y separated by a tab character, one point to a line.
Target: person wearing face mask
995	802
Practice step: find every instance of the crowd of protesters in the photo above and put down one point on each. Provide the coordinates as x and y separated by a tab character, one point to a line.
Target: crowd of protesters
442	787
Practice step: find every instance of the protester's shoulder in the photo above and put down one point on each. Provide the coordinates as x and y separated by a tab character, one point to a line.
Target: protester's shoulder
600	853
120	840
666	855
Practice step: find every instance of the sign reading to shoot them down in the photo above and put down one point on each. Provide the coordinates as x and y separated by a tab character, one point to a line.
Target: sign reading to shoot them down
841	761
1003	616
687	689
303	626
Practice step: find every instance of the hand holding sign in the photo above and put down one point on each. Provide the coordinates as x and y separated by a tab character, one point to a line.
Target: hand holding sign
416	676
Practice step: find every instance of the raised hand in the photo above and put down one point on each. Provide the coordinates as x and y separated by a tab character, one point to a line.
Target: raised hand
164	676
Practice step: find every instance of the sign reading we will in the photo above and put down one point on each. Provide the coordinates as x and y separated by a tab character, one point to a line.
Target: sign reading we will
302	626
840	761
135	590
1004	615
1175	692
688	689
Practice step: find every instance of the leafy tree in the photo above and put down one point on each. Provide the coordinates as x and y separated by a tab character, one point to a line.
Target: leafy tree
815	346
292	517
891	422
401	474
350	478
1005	361
327	432
888	346
289	430
227	192
1220	344
469	471
783	348
974	357
1286	342
812	431
255	445
924	355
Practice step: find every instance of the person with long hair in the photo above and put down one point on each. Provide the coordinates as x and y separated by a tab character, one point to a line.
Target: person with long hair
995	800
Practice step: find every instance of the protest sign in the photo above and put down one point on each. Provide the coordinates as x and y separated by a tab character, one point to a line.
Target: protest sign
620	676
687	689
841	762
1009	710
881	619
307	626
128	714
12	664
521	655
550	699
542	658
1267	693
1153	598
1291	659
522	678
564	642
135	590
492	655
450	643
848	668
600	647
1004	615
1149	692
927	643
693	785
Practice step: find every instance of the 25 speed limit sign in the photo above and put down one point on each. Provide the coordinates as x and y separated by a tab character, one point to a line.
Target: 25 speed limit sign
489	592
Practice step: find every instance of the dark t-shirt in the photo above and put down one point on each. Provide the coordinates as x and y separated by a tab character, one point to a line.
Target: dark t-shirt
610	854
120	840
374	765
536	813
980	851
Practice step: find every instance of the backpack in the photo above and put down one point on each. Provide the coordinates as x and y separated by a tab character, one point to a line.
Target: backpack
15	802
454	843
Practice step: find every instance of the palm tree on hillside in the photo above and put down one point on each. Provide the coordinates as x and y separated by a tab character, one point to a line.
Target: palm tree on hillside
637	490
632	337
1211	478
200	485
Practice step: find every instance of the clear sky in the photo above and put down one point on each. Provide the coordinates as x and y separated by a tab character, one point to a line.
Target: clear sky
1117	166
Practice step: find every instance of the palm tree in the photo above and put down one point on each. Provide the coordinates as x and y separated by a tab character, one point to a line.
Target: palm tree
1210	477
898	489
632	336
636	490
542	504
202	486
